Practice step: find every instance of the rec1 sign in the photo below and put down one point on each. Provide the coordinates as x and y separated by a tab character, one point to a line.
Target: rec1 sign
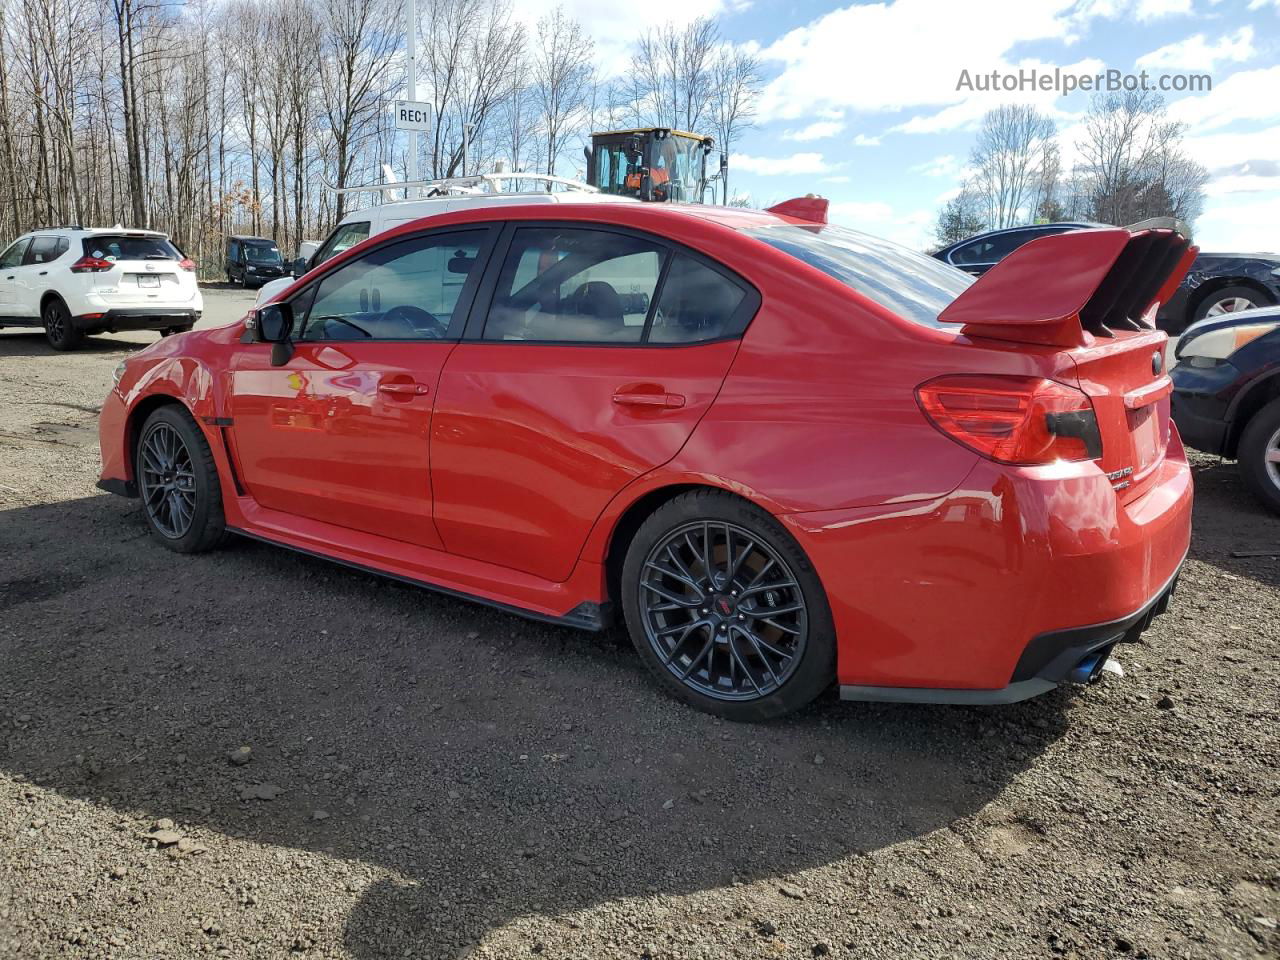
413	115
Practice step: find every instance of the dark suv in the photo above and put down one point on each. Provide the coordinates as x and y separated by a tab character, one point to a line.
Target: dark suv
252	261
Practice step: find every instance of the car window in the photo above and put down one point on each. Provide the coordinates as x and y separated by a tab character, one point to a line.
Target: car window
13	256
45	249
402	291
992	249
697	303
913	285
573	285
344	237
122	247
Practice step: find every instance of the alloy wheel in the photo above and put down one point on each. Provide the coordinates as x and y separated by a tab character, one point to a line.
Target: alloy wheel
723	611
1271	458
167	480
55	323
1229	305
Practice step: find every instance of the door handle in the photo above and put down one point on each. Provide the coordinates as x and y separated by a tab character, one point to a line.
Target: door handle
403	389
668	401
44	273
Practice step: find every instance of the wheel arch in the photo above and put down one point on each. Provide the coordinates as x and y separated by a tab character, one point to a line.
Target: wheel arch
616	529
1250	400
137	416
1210	287
50	295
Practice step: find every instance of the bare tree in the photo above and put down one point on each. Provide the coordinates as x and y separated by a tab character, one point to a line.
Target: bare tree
673	75
735	84
1011	144
563	76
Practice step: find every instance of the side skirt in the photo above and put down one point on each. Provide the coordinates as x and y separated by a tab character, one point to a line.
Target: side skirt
1022	690
587	616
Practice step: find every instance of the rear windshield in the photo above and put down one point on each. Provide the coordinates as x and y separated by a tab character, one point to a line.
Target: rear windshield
913	285
112	247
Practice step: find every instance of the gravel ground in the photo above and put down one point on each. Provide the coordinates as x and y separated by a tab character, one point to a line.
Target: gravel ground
427	778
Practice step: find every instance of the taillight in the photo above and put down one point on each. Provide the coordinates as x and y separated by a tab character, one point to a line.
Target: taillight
91	265
187	263
1018	420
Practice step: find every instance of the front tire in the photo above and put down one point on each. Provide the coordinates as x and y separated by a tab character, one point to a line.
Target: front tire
1259	455
58	328
178	482
725	609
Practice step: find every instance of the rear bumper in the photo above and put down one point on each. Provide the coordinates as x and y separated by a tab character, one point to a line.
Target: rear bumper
979	596
135	318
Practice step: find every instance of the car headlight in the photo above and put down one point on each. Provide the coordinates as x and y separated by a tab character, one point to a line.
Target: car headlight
118	374
251	268
1207	349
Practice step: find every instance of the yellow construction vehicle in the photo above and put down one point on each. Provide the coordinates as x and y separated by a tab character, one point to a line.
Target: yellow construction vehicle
651	163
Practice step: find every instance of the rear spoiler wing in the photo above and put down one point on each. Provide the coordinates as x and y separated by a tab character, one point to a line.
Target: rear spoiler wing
1067	289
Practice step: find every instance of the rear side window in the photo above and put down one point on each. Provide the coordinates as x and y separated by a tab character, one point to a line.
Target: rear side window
46	249
914	286
697	303
122	247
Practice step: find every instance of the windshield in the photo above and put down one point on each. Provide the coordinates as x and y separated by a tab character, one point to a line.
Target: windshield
911	284
676	167
261	254
120	247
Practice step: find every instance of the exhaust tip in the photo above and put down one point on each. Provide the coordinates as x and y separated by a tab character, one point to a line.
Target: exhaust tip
1090	668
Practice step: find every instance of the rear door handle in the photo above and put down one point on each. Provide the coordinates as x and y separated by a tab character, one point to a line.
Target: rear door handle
403	389
669	401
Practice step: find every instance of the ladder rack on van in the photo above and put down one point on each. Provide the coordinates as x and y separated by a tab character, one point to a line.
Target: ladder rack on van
481	184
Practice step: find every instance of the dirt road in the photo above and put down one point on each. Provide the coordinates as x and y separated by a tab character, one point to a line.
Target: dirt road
427	778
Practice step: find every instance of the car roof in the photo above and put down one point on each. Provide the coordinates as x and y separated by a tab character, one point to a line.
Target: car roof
245	236
452	202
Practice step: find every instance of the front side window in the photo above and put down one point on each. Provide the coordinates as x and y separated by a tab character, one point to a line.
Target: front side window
13	256
913	285
575	285
407	290
343	238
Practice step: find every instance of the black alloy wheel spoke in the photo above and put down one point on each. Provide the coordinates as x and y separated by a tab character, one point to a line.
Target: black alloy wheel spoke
168	481
723	611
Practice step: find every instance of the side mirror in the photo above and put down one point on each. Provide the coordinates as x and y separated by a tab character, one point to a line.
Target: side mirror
724	162
274	321
298	268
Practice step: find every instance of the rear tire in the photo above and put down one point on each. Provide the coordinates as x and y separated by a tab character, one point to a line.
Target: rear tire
58	328
747	636
1259	456
178	482
1228	300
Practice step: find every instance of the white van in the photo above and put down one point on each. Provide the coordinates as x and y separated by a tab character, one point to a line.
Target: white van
359	225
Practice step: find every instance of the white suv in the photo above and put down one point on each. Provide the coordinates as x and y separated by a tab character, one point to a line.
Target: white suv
74	281
360	225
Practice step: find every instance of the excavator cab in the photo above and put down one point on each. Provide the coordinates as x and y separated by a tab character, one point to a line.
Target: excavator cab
653	164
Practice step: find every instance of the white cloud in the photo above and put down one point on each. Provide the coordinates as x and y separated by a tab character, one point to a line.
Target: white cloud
1244	224
1155	9
819	130
1196	53
846	59
837	178
947	165
862	140
1248	95
912	228
774	166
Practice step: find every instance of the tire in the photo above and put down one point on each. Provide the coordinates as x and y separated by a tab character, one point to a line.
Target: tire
187	477
58	329
1228	300
698	653
1261	440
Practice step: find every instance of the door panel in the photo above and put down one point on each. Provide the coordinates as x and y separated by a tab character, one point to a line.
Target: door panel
341	433
528	444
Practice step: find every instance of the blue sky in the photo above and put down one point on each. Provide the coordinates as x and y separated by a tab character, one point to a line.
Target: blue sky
861	104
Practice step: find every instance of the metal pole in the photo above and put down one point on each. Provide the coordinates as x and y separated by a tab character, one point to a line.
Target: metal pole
411	34
466	142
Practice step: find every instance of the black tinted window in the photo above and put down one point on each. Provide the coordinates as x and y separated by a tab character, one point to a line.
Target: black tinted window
403	291
697	303
122	247
575	285
45	249
914	286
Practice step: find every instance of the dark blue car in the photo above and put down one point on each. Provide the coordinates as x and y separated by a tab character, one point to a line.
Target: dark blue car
1226	398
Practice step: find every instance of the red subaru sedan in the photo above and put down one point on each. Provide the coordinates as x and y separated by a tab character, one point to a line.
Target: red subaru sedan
787	455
